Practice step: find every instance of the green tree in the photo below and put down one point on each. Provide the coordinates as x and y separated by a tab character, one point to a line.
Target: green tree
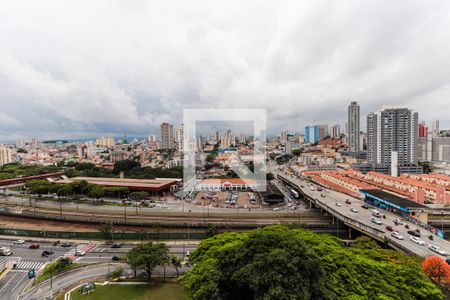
176	261
147	257
125	166
267	264
277	262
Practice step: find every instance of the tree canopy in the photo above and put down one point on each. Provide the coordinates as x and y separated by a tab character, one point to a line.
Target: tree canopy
276	262
147	257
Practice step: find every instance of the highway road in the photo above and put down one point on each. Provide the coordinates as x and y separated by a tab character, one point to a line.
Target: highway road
364	216
27	259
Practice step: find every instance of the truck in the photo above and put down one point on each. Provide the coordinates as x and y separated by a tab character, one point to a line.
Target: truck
4	251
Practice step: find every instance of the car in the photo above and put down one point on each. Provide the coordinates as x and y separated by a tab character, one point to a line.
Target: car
365	206
376	214
389	228
294	207
66	244
188	253
414	233
47	253
35	246
80	253
348	201
353	210
115	258
375	220
397	235
437	250
447	260
276	208
398	222
338	204
417	240
19	242
116	246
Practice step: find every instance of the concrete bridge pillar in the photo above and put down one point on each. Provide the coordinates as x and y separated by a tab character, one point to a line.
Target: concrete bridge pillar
349	233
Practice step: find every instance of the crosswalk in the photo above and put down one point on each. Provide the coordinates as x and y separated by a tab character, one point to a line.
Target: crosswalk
5	259
29	265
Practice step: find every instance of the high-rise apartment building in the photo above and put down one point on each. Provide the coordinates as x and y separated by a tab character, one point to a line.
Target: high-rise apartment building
435	128
336	131
242	137
311	134
323	131
152	138
423	129
227	140
180	137
391	130
107	142
20	143
167	141
353	127
283	136
5	155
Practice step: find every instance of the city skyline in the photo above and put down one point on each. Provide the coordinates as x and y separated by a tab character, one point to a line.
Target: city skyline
56	88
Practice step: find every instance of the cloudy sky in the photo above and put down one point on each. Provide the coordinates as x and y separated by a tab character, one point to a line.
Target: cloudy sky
85	68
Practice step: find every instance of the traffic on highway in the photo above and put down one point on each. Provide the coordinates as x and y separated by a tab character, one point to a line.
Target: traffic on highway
389	226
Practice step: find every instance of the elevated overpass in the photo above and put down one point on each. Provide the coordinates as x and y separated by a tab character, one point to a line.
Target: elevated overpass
361	220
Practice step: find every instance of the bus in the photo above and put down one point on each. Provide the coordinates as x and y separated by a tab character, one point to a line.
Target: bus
293	193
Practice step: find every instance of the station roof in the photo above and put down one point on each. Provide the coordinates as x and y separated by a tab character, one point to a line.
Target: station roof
132	184
394	199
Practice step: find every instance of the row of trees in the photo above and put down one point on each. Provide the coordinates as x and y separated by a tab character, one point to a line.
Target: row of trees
77	188
277	262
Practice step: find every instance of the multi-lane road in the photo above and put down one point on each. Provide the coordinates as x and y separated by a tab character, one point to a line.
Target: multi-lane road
335	203
27	259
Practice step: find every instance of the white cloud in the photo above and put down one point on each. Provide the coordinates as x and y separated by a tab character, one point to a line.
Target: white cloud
115	66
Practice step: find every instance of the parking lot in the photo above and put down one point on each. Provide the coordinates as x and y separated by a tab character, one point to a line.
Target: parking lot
228	199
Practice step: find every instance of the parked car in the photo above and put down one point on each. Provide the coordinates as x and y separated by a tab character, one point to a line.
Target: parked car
34	246
348	201
66	244
414	233
375	220
338	204
447	260
417	240
19	242
365	206
389	228
397	235
353	210
437	250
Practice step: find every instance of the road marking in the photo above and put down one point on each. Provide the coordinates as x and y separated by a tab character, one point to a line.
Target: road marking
29	265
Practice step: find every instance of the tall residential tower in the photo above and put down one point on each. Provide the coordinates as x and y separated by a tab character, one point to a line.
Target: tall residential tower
353	127
392	132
